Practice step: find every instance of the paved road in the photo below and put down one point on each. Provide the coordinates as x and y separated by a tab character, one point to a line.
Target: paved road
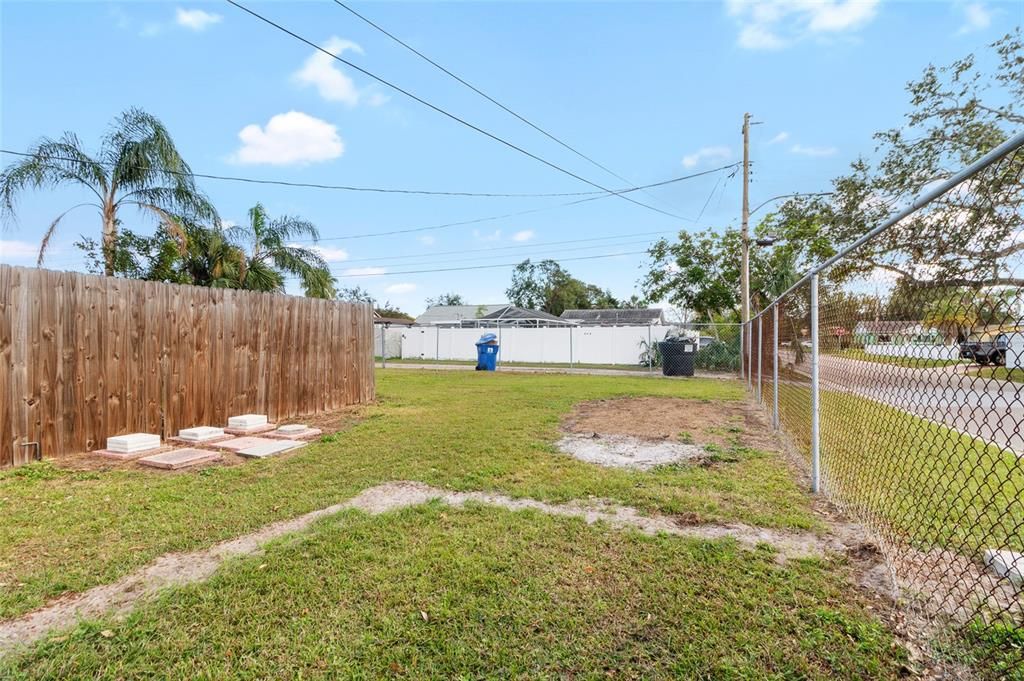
990	409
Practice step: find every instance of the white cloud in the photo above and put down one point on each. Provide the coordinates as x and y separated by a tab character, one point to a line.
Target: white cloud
427	240
333	84
289	138
977	17
364	272
196	19
706	154
377	99
400	288
492	236
17	251
775	24
813	151
781	137
524	235
228	224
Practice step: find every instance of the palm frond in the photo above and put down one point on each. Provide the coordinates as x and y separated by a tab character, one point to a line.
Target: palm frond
44	243
51	163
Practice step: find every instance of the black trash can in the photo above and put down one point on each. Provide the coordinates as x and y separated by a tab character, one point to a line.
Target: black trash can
678	357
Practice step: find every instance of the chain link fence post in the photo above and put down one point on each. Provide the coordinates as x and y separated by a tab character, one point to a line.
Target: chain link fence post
742	341
760	346
815	444
775	367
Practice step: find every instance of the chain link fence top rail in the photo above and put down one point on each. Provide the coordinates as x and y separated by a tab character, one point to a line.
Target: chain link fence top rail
918	341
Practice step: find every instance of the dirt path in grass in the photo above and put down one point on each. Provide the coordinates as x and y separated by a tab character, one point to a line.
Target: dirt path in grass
178	569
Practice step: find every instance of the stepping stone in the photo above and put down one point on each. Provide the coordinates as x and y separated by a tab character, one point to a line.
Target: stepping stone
127	447
180	458
1009	564
200	434
129	456
294	432
253	430
136	442
238	443
262	451
247	421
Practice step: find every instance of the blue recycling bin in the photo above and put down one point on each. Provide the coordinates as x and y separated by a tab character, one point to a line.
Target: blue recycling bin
487	352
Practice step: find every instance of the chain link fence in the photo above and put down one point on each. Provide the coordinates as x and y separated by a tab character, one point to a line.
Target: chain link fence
897	370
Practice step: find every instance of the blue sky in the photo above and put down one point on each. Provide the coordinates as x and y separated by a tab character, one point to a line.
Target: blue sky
650	90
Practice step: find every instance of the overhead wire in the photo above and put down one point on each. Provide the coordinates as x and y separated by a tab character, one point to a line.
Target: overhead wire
385	190
481	267
531	245
541	253
445	113
486	96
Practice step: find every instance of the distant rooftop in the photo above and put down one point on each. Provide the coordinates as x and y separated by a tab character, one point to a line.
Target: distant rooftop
615	317
519	316
455	314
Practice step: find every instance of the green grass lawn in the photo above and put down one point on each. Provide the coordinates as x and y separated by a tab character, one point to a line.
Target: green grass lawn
439	593
999	373
925	482
552	365
67	531
909	362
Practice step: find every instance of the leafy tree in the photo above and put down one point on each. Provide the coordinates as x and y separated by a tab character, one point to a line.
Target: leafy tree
270	255
965	238
154	258
698	272
389	310
546	286
446	299
137	166
356	294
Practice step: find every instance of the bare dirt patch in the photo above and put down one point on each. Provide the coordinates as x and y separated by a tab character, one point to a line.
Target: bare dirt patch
694	422
625	451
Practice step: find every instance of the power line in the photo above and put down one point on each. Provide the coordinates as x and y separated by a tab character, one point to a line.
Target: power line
483	94
491	218
443	112
390	190
339	187
519	247
379	262
482	267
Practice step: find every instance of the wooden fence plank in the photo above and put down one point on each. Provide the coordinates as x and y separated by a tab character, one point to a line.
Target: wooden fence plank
85	357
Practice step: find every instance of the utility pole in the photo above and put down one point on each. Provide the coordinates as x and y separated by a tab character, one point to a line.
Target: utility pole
744	229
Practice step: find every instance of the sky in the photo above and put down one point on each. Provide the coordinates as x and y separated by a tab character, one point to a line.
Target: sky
650	91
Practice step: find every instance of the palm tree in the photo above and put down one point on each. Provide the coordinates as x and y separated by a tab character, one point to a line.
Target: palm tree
137	165
271	256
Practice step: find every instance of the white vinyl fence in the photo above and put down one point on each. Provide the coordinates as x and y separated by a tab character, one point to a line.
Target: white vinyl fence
564	345
391	337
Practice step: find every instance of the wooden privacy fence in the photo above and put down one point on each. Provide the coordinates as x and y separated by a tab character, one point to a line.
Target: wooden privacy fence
86	357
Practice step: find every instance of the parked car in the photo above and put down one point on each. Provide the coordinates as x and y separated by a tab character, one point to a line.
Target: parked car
986	348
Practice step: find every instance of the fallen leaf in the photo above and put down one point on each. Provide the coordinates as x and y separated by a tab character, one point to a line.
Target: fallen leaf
262	565
425	616
107	633
59	639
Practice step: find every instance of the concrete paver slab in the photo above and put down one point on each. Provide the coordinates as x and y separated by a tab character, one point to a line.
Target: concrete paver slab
180	458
